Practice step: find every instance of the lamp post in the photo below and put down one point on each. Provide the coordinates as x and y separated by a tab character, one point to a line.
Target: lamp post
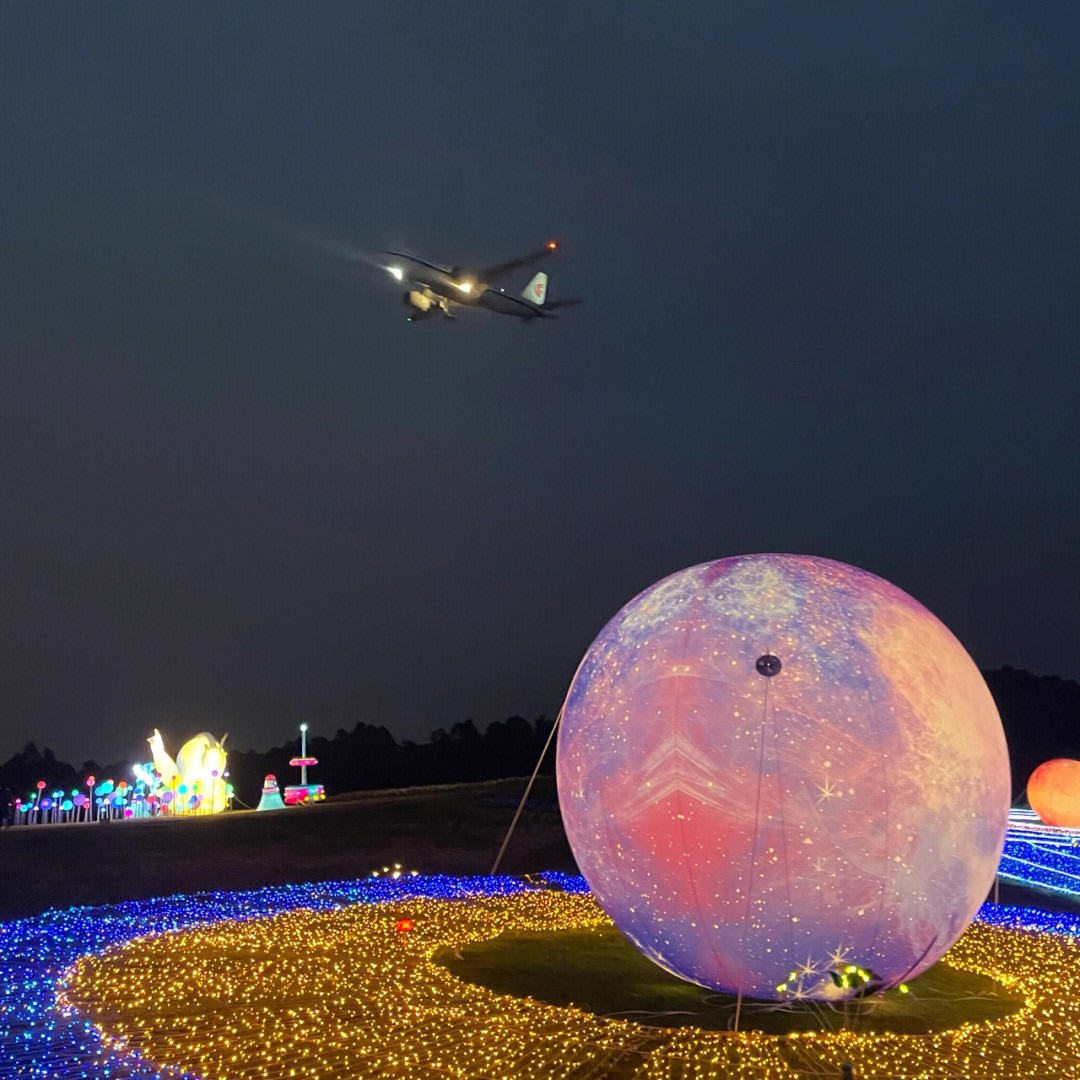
302	793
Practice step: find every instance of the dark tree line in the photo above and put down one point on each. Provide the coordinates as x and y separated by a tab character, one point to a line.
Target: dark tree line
1041	717
368	758
1040	714
23	770
363	759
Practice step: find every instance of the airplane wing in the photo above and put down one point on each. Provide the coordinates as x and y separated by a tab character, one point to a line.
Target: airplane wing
500	269
421	262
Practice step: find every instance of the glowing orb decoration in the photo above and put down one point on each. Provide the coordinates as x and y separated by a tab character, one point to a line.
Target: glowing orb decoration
1054	792
783	776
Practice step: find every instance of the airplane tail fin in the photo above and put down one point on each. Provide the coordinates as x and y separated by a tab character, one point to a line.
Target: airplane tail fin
536	290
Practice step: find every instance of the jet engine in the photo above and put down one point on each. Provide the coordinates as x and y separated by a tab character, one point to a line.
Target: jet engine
424	302
420	301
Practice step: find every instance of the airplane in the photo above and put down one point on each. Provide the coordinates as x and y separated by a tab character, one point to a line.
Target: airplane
434	289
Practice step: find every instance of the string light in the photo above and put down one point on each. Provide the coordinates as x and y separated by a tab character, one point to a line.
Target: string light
38	1042
394	872
321	994
1029	950
1044	857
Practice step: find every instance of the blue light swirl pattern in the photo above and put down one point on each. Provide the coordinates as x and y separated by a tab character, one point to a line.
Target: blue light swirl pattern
1044	857
38	1042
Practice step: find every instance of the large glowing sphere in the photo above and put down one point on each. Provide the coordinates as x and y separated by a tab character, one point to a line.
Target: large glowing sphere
1054	792
775	770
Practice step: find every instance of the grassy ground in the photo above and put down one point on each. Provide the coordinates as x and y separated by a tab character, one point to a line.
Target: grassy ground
601	972
452	830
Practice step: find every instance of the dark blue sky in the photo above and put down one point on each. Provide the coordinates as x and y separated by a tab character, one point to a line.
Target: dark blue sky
830	254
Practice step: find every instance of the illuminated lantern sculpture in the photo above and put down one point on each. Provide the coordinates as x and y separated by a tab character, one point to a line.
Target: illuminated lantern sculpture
783	777
1054	792
199	768
271	795
297	794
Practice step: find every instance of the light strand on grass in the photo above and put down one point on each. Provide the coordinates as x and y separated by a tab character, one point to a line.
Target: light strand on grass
325	995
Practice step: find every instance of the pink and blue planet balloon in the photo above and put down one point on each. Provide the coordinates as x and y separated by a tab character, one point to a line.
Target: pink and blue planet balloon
782	776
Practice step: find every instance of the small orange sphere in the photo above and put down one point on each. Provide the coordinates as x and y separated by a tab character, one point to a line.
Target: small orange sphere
404	925
1054	792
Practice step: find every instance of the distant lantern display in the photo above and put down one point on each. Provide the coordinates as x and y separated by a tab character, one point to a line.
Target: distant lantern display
783	776
270	799
199	770
1054	792
298	794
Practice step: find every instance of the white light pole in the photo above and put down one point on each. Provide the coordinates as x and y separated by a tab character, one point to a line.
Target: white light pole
303	754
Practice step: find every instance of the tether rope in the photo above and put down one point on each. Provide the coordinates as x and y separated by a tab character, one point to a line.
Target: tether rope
753	846
528	788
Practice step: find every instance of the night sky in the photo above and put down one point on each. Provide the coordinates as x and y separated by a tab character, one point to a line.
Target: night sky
830	255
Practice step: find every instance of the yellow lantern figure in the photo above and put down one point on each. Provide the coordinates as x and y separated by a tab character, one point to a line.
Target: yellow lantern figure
199	766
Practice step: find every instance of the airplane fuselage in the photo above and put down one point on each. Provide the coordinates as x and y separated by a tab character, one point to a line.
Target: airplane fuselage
434	289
